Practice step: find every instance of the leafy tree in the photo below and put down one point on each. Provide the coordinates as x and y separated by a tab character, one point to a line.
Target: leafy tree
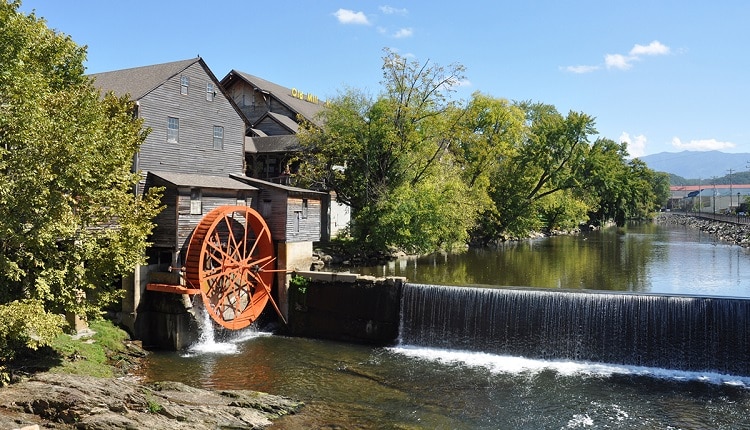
661	190
606	174
563	210
375	154
548	159
487	131
623	189
70	222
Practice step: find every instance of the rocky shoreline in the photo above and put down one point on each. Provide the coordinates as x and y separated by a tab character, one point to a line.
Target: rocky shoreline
61	401
38	398
737	234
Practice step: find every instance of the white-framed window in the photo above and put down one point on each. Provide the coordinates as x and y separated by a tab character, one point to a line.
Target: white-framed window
218	137
305	209
184	84
210	92
173	129
196	205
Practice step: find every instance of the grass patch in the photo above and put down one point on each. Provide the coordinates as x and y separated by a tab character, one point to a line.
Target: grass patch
93	355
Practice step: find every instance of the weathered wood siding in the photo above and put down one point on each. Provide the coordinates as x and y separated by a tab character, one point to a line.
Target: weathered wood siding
271	127
163	235
252	104
210	200
285	216
281	109
301	227
176	223
194	152
272	206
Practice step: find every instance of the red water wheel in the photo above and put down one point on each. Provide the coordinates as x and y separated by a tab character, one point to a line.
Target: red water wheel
230	259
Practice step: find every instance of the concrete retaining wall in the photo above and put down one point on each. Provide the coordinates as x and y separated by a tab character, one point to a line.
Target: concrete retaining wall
166	321
344	307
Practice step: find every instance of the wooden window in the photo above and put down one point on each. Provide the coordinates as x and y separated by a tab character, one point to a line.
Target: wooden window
210	92
196	206
218	137
173	129
305	208
184	84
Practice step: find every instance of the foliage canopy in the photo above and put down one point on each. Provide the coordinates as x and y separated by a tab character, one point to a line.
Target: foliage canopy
70	222
423	173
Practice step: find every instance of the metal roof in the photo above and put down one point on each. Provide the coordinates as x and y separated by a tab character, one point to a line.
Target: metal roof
280	143
202	181
259	183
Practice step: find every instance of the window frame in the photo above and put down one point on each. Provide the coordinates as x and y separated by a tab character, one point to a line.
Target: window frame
218	141
196	201
210	91
184	84
173	133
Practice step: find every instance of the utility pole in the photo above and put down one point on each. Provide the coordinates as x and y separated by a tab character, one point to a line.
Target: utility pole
730	189
713	181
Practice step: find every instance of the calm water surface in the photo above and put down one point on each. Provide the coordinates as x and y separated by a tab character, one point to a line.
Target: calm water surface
360	387
644	258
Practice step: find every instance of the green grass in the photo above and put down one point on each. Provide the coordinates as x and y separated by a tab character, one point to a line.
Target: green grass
90	355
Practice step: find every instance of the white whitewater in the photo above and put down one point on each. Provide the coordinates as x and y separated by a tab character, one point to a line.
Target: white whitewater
207	343
505	364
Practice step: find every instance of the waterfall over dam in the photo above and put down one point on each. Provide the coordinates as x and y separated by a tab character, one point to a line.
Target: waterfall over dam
693	333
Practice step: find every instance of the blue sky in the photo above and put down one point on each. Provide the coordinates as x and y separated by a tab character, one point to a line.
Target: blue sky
661	75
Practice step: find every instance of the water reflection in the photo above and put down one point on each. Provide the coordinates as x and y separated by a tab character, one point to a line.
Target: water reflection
644	258
360	387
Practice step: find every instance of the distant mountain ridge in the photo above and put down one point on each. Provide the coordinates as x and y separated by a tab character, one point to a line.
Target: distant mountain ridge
698	164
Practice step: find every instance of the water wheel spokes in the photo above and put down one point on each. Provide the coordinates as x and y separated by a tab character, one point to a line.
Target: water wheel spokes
230	258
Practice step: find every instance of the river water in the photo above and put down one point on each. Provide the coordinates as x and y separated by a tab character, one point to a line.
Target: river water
348	386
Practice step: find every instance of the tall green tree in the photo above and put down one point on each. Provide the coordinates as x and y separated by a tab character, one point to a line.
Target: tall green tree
375	153
548	159
70	222
622	188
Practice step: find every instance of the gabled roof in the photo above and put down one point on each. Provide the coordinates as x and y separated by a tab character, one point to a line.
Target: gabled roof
268	144
283	95
202	181
139	81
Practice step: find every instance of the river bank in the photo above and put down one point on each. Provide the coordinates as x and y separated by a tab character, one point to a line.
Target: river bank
61	401
63	396
737	234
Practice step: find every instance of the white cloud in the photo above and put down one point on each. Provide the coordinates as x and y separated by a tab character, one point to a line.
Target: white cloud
390	10
347	16
653	48
580	69
618	61
701	145
624	62
636	145
404	32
